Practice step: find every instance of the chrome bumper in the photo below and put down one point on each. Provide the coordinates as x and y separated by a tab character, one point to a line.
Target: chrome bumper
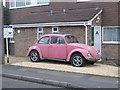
94	58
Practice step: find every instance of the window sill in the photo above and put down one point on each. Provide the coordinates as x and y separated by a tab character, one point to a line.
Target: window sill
110	42
12	42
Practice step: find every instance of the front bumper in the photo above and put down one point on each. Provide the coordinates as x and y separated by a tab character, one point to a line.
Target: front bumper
94	58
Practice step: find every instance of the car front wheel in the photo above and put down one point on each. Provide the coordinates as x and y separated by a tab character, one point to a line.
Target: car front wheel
34	56
77	60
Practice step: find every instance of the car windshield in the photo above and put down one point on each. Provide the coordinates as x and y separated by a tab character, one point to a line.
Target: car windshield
71	39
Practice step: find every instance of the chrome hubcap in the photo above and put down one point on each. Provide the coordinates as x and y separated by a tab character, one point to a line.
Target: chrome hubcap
77	60
34	56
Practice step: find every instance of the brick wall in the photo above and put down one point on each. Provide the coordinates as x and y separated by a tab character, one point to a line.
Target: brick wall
11	48
110	51
23	40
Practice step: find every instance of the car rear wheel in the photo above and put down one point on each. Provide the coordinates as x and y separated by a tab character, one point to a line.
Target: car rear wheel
77	60
34	56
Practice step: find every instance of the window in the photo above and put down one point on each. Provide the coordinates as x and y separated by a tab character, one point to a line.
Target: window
12	3
57	40
39	32
44	40
111	34
55	30
20	3
12	40
71	39
27	3
42	1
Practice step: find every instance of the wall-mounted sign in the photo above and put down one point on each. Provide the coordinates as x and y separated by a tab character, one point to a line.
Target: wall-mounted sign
8	32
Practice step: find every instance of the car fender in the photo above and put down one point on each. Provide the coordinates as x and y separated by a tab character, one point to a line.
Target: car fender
82	51
34	48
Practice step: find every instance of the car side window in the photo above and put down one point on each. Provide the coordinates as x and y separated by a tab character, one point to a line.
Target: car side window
57	40
44	40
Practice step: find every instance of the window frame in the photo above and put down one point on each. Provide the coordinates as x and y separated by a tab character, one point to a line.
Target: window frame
11	41
39	32
53	32
31	5
42	38
84	0
56	43
109	42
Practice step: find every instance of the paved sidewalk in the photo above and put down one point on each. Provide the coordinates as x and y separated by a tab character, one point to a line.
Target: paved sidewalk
60	78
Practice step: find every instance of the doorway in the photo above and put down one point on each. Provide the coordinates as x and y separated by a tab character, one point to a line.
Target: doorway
96	37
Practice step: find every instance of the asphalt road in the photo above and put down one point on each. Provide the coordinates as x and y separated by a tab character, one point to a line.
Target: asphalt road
14	83
82	80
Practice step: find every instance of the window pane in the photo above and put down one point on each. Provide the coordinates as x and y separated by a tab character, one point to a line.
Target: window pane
71	39
42	1
39	35
44	40
55	29
20	3
28	2
12	3
57	40
118	34
111	34
114	34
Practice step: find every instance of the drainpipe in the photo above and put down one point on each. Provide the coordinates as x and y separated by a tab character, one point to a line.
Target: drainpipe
86	32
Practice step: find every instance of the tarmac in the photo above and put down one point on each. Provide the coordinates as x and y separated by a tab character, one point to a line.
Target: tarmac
61	79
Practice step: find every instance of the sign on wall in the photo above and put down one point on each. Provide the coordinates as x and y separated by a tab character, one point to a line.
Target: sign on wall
8	32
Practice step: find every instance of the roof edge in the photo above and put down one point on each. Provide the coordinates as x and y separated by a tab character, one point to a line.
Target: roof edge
96	15
52	24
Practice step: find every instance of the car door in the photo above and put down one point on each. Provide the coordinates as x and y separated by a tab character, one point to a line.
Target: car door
57	48
43	44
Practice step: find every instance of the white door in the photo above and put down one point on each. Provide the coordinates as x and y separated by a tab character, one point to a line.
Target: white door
96	36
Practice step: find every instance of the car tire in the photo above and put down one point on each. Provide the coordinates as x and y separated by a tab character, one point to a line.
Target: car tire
77	60
34	56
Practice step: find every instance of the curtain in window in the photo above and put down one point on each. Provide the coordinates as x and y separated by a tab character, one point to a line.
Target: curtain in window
111	34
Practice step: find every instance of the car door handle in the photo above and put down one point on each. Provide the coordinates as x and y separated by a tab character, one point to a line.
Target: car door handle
50	46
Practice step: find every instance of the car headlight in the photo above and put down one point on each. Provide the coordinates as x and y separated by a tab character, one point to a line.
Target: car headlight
88	53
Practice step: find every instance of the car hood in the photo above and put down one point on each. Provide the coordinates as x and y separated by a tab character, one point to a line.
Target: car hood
79	45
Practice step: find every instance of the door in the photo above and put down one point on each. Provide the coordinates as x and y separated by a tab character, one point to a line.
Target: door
96	37
57	48
43	44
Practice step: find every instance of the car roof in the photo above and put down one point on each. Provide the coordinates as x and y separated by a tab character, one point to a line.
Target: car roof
60	35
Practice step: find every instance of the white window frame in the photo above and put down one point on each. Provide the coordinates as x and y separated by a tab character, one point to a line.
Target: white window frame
55	31
108	42
84	0
11	41
39	32
33	3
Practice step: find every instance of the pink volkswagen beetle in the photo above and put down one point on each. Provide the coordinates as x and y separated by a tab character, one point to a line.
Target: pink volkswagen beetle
63	47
